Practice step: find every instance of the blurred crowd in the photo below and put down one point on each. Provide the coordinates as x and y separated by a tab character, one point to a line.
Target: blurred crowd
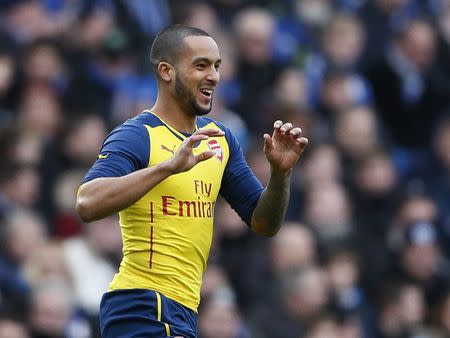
365	249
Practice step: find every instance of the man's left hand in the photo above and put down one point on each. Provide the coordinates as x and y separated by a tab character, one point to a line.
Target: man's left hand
284	147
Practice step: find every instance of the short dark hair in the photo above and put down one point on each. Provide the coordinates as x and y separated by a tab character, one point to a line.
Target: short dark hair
167	44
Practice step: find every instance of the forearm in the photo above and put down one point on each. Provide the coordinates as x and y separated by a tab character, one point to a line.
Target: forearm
271	207
105	196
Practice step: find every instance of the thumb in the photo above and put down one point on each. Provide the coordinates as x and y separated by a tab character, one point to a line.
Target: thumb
204	156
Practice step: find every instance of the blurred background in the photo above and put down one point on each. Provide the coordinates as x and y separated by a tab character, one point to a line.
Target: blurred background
365	249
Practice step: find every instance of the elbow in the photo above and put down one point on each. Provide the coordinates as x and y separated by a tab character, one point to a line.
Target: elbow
269	233
264	229
84	210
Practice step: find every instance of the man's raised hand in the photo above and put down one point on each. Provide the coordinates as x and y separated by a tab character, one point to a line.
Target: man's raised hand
184	158
284	147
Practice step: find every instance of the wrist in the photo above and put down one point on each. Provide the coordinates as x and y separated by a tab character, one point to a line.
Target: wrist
279	173
166	168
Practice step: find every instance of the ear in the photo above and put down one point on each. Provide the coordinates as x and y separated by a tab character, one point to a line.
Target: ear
166	71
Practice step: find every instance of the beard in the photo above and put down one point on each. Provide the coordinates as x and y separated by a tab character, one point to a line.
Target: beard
188	101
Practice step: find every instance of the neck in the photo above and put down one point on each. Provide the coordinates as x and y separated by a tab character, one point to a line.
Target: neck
170	111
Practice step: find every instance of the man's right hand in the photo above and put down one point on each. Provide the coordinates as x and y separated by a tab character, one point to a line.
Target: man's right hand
184	158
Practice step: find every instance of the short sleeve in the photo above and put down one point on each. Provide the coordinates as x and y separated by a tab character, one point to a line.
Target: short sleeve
240	187
126	149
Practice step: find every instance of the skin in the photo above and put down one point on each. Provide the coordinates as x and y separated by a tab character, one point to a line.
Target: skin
179	102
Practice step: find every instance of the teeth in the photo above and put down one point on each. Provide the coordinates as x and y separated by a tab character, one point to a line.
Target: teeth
206	91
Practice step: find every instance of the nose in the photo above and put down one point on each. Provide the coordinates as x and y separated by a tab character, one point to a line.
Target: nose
213	76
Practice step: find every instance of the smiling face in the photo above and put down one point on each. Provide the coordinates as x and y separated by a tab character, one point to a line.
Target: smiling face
197	74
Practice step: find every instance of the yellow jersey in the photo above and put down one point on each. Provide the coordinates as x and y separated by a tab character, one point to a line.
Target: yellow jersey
167	234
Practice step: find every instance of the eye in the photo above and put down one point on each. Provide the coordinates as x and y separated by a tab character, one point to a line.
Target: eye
217	66
201	66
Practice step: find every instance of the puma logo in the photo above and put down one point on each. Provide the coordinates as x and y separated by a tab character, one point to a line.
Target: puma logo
163	147
101	156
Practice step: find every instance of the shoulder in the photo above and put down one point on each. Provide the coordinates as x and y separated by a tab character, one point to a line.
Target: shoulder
135	128
203	122
146	118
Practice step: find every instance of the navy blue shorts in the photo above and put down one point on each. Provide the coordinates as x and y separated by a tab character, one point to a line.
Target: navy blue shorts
138	313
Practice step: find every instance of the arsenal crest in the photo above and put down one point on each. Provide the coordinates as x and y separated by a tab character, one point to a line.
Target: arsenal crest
215	147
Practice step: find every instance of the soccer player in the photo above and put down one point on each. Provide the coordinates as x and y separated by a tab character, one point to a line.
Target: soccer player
162	171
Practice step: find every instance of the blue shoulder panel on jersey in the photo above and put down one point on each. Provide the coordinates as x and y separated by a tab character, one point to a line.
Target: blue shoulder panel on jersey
149	119
126	149
240	187
203	121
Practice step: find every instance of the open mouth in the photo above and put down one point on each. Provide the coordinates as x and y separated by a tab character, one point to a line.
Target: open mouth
206	92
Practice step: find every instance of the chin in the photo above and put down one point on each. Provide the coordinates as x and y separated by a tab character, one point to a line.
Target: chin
202	110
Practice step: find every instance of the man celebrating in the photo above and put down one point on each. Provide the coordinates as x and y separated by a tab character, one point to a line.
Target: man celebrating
162	171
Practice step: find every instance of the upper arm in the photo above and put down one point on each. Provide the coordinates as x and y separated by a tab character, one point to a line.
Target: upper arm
126	149
240	187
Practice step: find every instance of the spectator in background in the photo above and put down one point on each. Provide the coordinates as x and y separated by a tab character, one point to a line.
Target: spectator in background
65	220
204	16
8	70
22	237
303	296
401	310
47	265
40	112
376	195
324	326
420	259
289	100
74	148
295	248
342	43
214	278
292	88
441	315
347	296
382	19
356	133
96	254
314	14
443	53
45	64
328	211
322	163
27	20
220	317
407	98
95	22
339	92
414	208
435	175
53	313
19	187
13	329
254	29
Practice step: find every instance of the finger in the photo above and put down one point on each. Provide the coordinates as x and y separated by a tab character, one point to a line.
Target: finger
303	142
286	127
204	156
268	145
295	132
277	124
209	132
192	140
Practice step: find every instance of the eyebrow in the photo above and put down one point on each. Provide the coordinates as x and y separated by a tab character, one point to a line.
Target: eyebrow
205	59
